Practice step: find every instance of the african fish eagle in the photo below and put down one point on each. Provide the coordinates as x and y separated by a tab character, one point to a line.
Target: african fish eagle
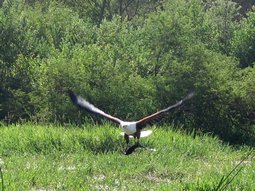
132	128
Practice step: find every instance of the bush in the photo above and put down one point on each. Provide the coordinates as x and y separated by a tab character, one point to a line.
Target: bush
243	46
128	68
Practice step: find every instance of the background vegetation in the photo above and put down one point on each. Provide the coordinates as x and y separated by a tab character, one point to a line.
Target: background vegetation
130	58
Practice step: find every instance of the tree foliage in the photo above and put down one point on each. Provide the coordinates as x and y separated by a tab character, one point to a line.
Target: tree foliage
129	58
243	41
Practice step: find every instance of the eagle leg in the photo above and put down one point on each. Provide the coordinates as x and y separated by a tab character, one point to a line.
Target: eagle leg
137	136
126	137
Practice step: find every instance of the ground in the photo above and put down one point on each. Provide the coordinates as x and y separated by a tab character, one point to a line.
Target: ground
48	157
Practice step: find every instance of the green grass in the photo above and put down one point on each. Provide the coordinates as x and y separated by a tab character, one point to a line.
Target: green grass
40	157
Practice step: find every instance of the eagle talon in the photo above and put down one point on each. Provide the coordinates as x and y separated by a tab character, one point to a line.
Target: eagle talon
131	149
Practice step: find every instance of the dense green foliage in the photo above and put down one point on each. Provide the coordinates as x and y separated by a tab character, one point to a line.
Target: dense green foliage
39	157
129	58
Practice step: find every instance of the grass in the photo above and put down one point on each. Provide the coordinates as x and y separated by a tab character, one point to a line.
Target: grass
47	157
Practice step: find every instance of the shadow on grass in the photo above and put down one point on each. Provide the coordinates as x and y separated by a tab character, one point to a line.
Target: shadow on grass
49	141
108	144
96	146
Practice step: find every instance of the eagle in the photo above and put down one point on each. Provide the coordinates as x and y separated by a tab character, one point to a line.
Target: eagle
130	128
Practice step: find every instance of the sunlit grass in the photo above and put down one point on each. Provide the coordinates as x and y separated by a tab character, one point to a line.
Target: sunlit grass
51	157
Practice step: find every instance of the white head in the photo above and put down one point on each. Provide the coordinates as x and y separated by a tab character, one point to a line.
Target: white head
128	127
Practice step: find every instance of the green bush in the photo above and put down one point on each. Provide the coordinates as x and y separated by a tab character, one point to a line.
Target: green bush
129	67
243	46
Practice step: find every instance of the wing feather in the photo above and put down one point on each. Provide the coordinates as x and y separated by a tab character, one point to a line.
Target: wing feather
82	103
156	117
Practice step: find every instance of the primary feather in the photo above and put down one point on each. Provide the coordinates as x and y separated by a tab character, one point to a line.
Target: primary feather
82	103
156	117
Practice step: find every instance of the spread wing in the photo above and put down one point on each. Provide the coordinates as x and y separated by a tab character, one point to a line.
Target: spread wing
82	103
156	117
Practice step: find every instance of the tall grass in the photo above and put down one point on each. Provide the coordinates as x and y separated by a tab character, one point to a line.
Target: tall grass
91	158
2	179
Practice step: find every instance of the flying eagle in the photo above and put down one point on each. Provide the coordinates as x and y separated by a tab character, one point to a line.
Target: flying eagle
133	128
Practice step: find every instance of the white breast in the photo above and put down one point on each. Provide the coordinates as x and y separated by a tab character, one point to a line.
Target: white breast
129	127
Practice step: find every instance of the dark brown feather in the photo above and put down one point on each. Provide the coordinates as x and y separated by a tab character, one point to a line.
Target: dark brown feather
156	117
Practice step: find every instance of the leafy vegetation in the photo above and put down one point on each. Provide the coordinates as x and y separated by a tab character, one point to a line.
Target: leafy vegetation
47	157
130	58
137	55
